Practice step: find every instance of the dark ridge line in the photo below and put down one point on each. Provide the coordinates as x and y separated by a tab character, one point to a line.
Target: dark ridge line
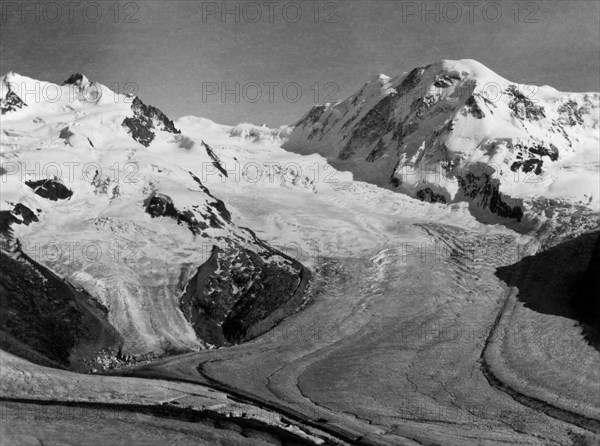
295	415
240	396
172	412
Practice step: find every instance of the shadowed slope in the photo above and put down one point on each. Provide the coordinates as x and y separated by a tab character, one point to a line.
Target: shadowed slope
562	281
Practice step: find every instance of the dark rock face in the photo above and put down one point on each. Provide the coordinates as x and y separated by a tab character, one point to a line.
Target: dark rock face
25	214
534	154
11	102
51	189
411	80
377	152
473	107
145	120
271	287
237	288
571	113
218	205
74	79
446	80
480	187
522	106
421	105
42	317
35	312
527	166
380	122
370	128
65	134
540	150
215	158
20	214
312	116
160	205
426	194
501	208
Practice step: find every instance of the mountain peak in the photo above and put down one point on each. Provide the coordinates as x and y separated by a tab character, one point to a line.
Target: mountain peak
76	79
432	132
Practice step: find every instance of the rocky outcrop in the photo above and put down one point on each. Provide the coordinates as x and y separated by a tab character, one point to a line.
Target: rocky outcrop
161	205
483	191
572	113
370	128
51	189
473	108
530	158
20	214
215	159
66	134
11	102
522	106
237	288
426	194
146	120
77	79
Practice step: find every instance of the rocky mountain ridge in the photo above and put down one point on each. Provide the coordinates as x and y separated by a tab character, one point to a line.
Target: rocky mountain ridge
456	131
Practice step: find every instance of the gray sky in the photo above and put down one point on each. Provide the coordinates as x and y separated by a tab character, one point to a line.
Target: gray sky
174	51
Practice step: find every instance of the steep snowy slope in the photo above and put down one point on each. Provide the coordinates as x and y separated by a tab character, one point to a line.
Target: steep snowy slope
455	131
106	192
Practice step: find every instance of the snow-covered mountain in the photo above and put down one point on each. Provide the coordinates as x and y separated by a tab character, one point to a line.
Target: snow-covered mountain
108	193
456	131
105	191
